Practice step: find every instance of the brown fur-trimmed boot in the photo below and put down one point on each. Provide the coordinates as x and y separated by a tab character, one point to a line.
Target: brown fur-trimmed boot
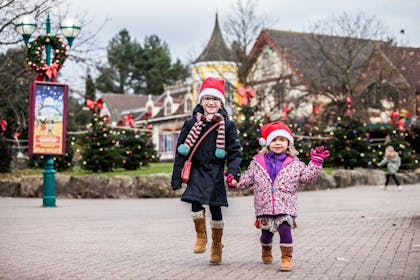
266	254
216	246
199	219
286	258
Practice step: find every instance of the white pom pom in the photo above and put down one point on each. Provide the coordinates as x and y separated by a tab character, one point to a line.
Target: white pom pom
262	141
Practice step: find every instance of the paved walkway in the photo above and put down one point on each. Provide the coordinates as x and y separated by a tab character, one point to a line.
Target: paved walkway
354	233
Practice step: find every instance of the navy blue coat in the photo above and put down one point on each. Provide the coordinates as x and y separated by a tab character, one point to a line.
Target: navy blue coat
206	184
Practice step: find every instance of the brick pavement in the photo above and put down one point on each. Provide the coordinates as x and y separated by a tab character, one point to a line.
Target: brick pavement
354	233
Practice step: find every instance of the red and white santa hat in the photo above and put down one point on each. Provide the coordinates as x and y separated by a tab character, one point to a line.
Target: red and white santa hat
275	129
214	87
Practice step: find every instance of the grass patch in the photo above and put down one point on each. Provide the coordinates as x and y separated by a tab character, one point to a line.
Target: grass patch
328	170
153	168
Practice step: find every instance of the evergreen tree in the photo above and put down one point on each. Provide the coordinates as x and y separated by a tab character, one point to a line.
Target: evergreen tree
77	116
99	152
136	149
115	77
138	68
152	69
14	88
90	88
350	146
6	155
178	72
249	128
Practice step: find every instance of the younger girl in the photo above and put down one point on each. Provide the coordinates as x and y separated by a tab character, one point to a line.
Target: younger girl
275	174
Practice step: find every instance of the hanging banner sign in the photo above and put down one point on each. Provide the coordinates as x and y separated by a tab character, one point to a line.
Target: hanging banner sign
47	118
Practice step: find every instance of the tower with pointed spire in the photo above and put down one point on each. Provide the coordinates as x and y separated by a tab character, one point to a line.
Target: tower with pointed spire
216	60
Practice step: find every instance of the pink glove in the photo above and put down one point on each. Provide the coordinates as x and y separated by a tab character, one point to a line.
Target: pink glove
229	179
319	154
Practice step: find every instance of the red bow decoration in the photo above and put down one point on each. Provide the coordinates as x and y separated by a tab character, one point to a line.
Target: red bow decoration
3	125
128	120
349	105
148	114
246	94
317	109
94	104
286	110
395	115
51	71
401	124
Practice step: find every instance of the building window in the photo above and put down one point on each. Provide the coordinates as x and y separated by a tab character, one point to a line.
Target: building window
189	105
168	108
167	145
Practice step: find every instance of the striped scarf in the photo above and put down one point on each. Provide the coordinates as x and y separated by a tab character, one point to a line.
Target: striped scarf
195	132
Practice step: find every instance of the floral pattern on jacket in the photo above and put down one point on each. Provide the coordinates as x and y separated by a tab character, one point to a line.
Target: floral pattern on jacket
280	196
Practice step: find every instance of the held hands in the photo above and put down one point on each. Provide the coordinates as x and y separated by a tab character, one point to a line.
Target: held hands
231	181
319	154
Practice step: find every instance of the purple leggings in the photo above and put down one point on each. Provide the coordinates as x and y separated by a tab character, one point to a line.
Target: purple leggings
285	233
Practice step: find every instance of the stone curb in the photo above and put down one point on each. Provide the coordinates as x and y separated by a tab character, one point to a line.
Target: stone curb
158	185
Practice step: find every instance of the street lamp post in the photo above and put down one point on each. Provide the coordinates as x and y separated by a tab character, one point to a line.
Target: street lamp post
70	28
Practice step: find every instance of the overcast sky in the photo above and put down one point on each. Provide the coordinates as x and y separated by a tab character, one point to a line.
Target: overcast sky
186	25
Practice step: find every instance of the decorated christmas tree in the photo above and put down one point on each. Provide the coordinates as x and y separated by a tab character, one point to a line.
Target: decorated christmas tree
249	128
100	152
350	146
136	148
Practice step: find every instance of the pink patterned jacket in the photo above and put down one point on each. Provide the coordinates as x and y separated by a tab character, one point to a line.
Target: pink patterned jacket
280	196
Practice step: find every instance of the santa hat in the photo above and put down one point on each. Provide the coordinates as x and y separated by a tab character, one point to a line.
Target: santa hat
275	129
214	87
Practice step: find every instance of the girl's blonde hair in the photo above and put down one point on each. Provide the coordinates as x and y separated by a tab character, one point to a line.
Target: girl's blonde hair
291	150
390	152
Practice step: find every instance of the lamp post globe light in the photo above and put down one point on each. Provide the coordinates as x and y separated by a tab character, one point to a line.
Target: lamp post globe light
70	29
26	25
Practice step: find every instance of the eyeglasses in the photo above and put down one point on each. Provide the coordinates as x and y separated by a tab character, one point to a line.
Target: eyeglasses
207	99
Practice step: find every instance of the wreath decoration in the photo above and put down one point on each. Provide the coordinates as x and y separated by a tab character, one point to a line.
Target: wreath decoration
37	63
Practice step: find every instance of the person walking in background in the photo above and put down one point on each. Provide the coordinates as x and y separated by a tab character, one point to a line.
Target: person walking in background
275	174
393	162
206	185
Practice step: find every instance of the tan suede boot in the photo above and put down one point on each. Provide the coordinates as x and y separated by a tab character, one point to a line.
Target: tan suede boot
266	255
199	219
216	246
286	258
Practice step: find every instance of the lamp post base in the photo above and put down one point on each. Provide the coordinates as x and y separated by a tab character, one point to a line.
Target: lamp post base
48	199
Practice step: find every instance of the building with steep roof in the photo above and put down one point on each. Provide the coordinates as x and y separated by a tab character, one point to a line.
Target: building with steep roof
294	70
119	105
216	61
